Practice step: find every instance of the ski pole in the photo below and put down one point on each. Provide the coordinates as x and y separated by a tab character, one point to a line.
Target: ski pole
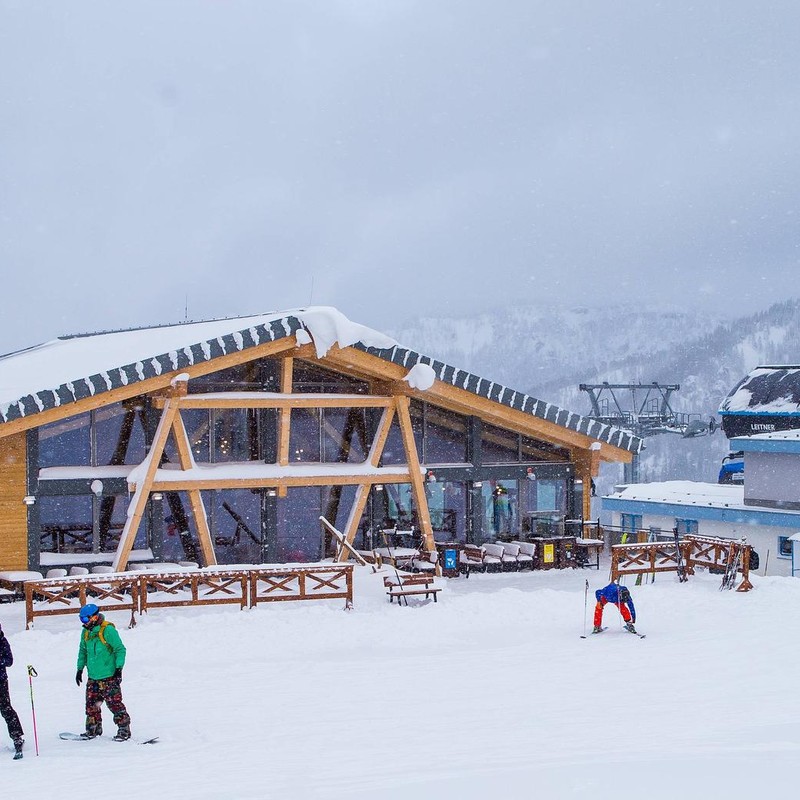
585	606
32	673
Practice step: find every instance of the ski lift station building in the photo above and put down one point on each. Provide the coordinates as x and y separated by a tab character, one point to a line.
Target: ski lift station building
225	441
761	417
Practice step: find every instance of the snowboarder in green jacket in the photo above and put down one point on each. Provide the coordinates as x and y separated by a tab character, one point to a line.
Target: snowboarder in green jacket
102	652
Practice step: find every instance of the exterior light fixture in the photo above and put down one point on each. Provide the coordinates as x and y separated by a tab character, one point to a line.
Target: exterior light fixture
271	493
378	487
97	487
29	499
157	496
477	484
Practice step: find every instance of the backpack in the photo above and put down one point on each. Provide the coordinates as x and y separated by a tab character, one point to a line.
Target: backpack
103	626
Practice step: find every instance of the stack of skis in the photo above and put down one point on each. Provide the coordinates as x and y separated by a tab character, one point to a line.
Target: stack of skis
733	564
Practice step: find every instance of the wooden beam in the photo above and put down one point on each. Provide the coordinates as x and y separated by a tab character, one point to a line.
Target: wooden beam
281	401
285	418
381	435
143	489
147	386
195	498
187	484
414	468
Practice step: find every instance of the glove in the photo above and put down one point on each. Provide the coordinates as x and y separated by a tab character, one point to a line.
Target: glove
118	674
79	677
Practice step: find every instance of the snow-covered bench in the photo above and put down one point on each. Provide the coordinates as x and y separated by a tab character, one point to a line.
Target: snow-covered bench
12	584
522	559
527	553
425	561
470	557
495	554
401	586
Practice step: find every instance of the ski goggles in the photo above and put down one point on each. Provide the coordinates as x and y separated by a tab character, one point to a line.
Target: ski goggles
85	620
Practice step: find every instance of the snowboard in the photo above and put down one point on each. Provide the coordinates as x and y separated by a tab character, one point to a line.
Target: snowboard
82	737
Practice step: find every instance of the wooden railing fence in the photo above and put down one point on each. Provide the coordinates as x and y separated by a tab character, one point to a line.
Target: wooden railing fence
141	591
648	558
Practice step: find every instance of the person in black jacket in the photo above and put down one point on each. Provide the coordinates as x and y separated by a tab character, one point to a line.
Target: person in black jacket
6	709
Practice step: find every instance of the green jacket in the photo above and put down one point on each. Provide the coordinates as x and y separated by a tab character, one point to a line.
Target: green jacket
102	660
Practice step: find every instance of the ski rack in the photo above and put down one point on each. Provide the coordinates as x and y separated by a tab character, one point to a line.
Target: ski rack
648	558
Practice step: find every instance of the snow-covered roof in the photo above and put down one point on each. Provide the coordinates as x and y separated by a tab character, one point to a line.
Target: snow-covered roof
683	492
767	390
696	500
72	368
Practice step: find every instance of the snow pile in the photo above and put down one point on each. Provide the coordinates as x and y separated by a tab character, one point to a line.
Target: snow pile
489	693
328	326
420	376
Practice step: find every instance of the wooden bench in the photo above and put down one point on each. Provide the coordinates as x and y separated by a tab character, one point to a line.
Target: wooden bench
401	586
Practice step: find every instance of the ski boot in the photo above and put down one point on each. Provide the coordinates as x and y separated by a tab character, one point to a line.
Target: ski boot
18	748
629	627
93	731
123	733
597	629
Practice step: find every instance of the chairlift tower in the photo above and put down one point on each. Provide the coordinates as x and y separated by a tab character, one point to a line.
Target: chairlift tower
645	410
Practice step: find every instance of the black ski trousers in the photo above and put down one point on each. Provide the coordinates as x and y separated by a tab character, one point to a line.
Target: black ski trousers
7	710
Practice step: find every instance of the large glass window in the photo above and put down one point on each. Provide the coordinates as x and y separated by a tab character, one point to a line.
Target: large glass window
535	450
447	503
66	442
312	378
179	531
446	436
299	534
66	524
236	526
254	376
344	434
119	433
235	434
500	509
498	446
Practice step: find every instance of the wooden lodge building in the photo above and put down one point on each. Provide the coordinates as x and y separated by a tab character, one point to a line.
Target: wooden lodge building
225	441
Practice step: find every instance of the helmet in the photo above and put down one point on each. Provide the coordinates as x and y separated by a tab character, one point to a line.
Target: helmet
87	612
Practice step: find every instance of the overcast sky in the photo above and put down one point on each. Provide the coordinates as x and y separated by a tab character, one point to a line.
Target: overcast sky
392	158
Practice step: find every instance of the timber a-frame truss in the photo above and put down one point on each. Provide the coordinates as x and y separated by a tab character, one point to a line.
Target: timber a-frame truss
193	478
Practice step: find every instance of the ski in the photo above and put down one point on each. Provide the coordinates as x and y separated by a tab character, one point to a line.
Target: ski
636	633
682	576
82	737
584	636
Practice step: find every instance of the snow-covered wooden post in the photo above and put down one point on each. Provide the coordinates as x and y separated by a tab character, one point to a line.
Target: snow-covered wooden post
149	467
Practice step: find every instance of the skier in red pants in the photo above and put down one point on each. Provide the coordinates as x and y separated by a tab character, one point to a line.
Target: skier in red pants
621	598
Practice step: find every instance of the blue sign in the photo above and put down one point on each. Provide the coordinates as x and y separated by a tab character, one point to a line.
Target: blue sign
450	559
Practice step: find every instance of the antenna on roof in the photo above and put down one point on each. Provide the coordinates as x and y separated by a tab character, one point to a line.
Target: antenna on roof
311	293
186	309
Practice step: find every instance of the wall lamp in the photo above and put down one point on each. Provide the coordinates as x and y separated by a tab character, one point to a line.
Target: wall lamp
271	493
97	487
378	487
477	484
157	496
29	499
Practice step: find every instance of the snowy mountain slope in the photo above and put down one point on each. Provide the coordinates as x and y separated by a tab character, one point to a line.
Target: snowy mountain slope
549	353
